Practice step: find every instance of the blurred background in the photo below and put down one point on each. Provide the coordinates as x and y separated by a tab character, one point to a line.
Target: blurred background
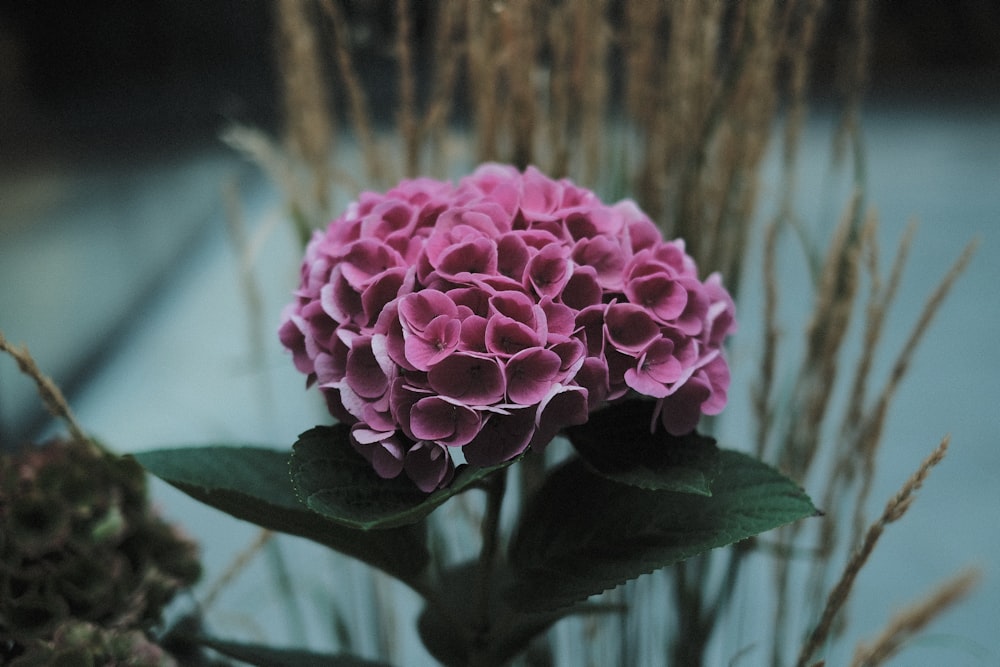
111	166
118	270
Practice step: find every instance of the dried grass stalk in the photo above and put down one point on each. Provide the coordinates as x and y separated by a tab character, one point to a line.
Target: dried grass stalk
309	131
894	510
824	337
407	116
48	390
357	100
238	564
874	421
762	398
485	62
912	620
449	52
852	76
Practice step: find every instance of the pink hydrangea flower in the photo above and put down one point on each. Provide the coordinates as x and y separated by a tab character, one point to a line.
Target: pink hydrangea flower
489	315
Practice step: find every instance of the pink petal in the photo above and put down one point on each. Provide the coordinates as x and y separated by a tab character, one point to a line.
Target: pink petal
419	309
605	256
429	466
501	438
437	341
682	409
582	289
549	271
660	294
446	422
472	379
530	375
562	407
460	261
629	327
506	337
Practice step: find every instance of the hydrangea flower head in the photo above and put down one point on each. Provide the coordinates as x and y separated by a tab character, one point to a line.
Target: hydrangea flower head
489	315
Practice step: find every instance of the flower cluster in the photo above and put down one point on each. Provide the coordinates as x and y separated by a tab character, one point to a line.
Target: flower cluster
80	643
489	315
84	559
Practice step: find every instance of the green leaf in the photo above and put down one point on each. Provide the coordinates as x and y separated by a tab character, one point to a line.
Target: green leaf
333	479
450	628
582	533
619	443
265	656
253	484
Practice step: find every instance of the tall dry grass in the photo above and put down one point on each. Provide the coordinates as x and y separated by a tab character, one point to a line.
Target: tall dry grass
673	104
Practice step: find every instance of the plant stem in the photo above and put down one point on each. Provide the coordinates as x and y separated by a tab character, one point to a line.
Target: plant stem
689	645
497	486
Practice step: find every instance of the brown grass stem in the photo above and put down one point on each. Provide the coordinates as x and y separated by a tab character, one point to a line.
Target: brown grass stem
357	100
763	398
52	397
238	564
909	622
894	510
874	420
407	116
309	130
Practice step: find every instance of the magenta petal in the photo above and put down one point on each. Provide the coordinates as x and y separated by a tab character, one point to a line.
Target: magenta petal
438	340
590	325
605	256
478	256
446	422
530	375
582	289
366	436
472	379
339	300
386	458
364	374
660	363
501	438
562	407
512	257
366	259
629	328
473	337
644	384
716	373
292	337
539	195
506	337
549	270
380	292
721	317
517	306
402	397
593	376
385	454
571	352
560	319
682	409
330	369
429	466
663	296
419	309
656	370
476	299
692	321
